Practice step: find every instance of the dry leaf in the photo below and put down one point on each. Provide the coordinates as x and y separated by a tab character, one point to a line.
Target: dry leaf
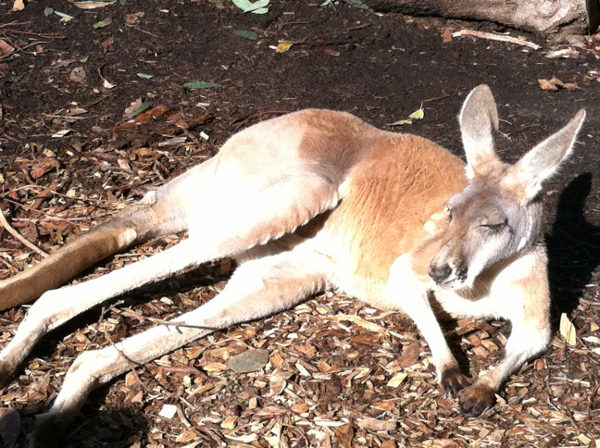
5	48
186	436
282	47
547	85
92	5
563	53
132	108
18	5
133	19
447	35
567	330
42	166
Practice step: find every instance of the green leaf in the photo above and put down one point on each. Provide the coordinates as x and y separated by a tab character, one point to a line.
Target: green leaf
247	34
418	114
145	76
99	25
145	105
400	123
356	4
258	7
200	85
63	17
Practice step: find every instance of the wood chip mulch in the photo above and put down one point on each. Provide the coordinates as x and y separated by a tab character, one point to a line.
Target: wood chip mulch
339	373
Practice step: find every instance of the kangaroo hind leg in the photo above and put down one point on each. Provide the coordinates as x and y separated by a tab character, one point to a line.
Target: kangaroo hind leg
257	289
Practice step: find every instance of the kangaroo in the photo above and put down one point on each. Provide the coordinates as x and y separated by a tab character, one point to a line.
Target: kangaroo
309	202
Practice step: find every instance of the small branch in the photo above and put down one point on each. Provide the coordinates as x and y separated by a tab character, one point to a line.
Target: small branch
18	236
499	37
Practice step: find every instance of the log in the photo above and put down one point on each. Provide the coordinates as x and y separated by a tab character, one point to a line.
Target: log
536	16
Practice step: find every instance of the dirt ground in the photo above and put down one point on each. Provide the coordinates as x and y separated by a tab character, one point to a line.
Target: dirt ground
69	156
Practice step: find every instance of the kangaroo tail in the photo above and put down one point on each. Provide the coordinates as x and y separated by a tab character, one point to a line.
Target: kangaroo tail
114	235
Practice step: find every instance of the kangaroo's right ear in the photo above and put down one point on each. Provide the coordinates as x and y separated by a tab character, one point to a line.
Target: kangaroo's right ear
542	161
478	121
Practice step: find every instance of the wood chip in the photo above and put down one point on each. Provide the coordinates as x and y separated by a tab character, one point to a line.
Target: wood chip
397	379
567	330
360	322
373	424
168	411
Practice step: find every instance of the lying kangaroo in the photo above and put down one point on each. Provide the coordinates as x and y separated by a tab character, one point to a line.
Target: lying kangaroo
312	201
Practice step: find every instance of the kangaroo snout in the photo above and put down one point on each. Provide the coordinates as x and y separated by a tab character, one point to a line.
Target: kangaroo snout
439	273
444	273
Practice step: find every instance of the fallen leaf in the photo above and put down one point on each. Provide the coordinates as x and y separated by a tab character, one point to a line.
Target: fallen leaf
567	330
42	166
102	23
417	114
63	17
129	111
133	19
247	34
282	47
144	76
186	436
331	52
258	7
547	85
200	85
563	53
92	4
5	48
18	5
447	35
400	123
571	86
61	133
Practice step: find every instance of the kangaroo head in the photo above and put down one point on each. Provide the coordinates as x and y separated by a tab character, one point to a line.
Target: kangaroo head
499	213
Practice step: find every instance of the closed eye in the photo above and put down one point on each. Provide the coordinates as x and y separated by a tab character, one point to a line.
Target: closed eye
494	227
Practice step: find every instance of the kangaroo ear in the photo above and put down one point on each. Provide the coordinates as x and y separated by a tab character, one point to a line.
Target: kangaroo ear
542	161
478	120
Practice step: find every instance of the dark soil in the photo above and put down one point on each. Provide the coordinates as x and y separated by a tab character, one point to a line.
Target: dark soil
380	67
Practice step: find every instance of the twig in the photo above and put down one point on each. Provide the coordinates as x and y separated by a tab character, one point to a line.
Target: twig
18	236
499	37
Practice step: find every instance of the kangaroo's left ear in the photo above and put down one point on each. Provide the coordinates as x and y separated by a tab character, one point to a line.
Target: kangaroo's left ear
542	161
478	122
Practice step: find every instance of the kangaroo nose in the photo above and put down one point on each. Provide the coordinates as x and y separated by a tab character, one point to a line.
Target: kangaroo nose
439	273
